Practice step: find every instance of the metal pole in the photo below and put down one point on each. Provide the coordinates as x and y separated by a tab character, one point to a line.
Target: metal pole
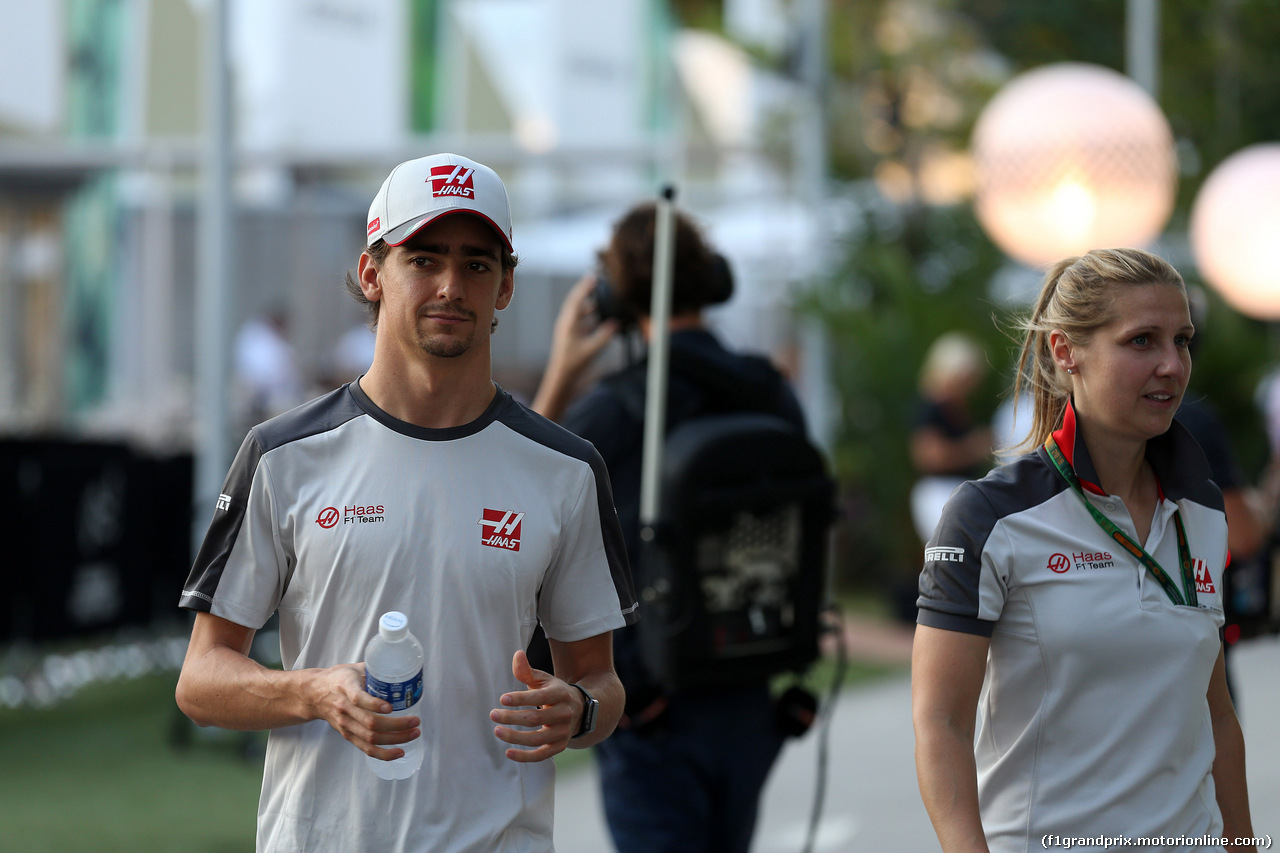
655	401
1142	44
213	256
811	177
810	131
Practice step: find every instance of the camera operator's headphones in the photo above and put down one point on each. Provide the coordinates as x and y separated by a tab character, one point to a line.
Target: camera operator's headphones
610	307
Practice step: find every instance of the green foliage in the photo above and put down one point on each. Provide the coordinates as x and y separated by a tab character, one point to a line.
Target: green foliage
699	14
1035	33
906	276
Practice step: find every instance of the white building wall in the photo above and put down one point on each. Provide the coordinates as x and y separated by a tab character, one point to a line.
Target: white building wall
320	76
31	66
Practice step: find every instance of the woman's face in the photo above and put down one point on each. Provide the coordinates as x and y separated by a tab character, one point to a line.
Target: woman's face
1129	377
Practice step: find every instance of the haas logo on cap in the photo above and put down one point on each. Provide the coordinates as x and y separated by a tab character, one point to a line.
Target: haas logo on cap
452	180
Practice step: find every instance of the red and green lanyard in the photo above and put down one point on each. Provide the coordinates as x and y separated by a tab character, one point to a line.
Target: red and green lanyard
1184	551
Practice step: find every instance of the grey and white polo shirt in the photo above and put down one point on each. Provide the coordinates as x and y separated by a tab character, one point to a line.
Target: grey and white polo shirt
335	513
1093	719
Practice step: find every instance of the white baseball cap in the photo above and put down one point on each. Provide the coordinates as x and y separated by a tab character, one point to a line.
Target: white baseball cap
419	191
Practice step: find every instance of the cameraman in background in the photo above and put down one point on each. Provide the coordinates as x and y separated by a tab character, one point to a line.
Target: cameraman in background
684	771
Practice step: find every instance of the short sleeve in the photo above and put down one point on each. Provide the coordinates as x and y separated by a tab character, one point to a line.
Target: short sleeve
956	588
240	571
588	589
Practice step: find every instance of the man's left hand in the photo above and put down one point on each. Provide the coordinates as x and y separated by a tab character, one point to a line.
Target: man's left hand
549	713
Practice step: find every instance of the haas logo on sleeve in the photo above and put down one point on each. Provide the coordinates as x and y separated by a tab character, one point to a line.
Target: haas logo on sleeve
500	528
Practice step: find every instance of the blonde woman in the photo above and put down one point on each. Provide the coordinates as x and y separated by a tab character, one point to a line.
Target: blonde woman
1081	586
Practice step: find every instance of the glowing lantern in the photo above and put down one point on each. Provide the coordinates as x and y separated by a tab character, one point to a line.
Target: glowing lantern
1235	226
1072	157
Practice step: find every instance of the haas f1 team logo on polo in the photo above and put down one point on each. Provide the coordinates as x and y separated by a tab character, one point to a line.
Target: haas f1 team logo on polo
1080	561
331	515
452	180
1204	581
500	528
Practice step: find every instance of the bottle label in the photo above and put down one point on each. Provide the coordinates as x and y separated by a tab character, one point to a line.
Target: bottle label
401	694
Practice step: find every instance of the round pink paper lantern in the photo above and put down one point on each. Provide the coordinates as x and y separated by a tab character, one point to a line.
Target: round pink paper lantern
1235	228
1071	157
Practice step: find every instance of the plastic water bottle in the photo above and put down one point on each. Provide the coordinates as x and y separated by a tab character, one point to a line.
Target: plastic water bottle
393	672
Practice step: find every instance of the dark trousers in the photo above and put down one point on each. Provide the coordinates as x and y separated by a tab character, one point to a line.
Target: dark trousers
693	785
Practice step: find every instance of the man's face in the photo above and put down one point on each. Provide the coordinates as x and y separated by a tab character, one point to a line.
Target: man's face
440	289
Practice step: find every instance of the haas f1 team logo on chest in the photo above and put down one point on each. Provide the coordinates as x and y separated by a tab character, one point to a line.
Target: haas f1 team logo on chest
1080	561
453	180
500	528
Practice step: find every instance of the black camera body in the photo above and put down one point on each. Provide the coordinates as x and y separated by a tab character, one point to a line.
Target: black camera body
608	305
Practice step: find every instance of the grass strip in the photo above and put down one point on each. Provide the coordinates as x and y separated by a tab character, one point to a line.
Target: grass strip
102	773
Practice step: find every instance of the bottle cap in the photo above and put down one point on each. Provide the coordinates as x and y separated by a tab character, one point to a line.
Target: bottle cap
393	625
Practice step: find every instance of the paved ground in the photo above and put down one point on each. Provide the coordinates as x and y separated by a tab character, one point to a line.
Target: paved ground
872	803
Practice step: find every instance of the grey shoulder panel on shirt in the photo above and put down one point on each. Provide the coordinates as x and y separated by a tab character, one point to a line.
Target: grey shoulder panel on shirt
319	415
950	581
313	418
551	435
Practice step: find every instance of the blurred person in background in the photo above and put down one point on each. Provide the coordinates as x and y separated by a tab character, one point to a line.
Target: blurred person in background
1268	398
1248	513
1248	510
684	772
267	378
421	487
948	444
1011	425
351	355
1247	517
1081	585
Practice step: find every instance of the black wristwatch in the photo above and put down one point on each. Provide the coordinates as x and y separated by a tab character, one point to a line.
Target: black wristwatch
590	707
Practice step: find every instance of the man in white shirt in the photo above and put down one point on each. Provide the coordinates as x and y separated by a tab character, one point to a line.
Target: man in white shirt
421	487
